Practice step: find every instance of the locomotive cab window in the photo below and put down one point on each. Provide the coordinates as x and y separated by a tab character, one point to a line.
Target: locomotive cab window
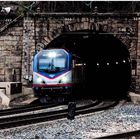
52	61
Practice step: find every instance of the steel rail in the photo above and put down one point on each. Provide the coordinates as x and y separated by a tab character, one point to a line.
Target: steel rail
48	116
29	108
120	135
8	119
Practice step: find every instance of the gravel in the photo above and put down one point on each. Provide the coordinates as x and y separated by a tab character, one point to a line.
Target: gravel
122	118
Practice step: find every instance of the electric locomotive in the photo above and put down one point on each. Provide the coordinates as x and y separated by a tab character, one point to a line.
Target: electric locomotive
55	71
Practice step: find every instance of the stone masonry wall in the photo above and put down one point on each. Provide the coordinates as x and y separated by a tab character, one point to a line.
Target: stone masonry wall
19	43
126	29
138	59
28	48
10	53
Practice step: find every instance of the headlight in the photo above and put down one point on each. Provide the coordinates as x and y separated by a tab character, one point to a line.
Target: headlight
39	80
66	79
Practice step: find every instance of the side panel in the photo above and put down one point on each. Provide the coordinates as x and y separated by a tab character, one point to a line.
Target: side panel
79	74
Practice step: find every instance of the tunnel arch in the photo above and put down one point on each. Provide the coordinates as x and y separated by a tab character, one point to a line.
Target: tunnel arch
88	23
76	25
106	57
72	39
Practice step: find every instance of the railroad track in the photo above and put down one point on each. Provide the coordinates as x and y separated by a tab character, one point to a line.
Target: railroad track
15	121
28	108
33	107
124	135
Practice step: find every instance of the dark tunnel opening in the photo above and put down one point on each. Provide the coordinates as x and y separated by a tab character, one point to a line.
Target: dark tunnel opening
108	69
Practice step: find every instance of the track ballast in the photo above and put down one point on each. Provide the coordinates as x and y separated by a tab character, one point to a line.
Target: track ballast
10	122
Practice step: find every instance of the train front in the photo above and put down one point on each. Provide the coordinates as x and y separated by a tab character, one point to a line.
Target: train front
52	72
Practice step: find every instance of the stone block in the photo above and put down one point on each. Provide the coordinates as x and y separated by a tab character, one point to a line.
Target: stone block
2	78
1	71
135	98
17	58
18	77
4	100
86	25
17	65
2	65
18	71
27	91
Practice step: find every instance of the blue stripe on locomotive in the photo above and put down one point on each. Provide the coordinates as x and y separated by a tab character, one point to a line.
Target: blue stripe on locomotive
69	66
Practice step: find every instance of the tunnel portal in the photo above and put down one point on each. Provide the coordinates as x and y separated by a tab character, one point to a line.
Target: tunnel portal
108	69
